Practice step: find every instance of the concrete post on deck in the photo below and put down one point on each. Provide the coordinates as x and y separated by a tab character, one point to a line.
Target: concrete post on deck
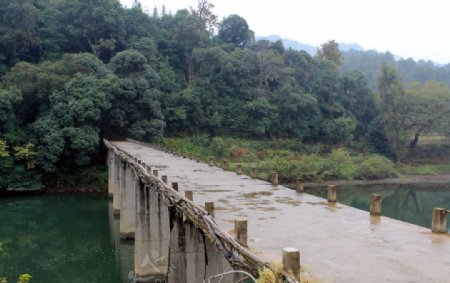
274	178
151	244
225	165
239	169
375	204
299	185
253	173
439	224
164	179
210	161
240	231
291	261
189	195
128	204
209	207
332	195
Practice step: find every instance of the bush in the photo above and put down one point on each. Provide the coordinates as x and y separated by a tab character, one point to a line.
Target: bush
339	165
219	147
376	167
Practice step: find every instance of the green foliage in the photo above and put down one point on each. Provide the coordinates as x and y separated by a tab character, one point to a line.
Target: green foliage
376	167
339	165
24	278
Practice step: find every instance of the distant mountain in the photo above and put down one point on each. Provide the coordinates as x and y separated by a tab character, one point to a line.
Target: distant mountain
312	50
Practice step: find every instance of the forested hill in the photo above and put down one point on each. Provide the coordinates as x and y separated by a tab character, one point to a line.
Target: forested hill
74	71
369	62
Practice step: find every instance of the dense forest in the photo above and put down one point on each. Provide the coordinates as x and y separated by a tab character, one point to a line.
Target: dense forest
75	71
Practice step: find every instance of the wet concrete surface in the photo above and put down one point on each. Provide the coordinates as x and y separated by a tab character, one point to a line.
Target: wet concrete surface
337	243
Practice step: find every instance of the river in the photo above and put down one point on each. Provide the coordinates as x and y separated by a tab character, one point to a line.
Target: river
62	238
412	203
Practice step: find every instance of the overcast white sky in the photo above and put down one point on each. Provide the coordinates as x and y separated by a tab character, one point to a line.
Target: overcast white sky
417	29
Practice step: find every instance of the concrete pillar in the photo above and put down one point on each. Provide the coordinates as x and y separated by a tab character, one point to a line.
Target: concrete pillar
111	171
274	178
164	179
332	195
152	236
225	165
211	161
439	224
375	204
155	173
175	186
253	172
209	207
128	205
149	169
120	183
187	252
240	231
291	261
189	195
299	185
217	264
239	169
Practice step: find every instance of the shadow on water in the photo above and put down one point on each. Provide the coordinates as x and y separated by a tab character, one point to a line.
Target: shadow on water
62	238
410	203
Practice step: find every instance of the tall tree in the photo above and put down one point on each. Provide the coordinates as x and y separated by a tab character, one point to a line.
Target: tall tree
330	51
234	29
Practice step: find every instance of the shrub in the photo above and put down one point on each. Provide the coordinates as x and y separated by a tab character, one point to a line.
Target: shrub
376	167
218	147
339	165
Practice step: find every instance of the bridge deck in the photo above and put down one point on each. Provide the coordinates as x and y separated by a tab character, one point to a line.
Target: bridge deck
337	243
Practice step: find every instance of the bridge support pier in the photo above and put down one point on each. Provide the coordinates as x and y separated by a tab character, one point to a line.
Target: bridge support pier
151	243
128	204
119	183
187	251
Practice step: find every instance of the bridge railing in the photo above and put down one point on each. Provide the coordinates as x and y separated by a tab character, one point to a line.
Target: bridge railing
238	256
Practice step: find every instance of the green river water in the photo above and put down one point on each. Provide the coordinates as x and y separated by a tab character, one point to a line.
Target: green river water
62	238
74	238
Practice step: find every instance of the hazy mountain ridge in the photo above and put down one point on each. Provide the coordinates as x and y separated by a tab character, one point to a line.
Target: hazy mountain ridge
312	50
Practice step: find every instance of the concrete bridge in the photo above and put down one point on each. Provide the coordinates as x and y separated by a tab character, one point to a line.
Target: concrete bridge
191	222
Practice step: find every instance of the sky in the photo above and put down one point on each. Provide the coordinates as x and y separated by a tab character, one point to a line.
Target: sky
416	29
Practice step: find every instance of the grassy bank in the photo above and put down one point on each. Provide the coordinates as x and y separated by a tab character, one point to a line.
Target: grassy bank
289	158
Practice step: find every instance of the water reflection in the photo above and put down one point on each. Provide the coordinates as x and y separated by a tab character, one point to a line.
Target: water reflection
410	203
65	238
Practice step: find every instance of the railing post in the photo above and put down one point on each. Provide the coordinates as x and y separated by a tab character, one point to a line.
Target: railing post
253	173
332	195
274	178
164	179
155	173
291	261
439	224
299	185
189	195
239	169
225	165
175	186
375	204
240	231
209	207
211	161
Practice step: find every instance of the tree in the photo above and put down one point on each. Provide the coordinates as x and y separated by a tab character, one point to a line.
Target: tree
234	29
330	51
393	112
136	110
